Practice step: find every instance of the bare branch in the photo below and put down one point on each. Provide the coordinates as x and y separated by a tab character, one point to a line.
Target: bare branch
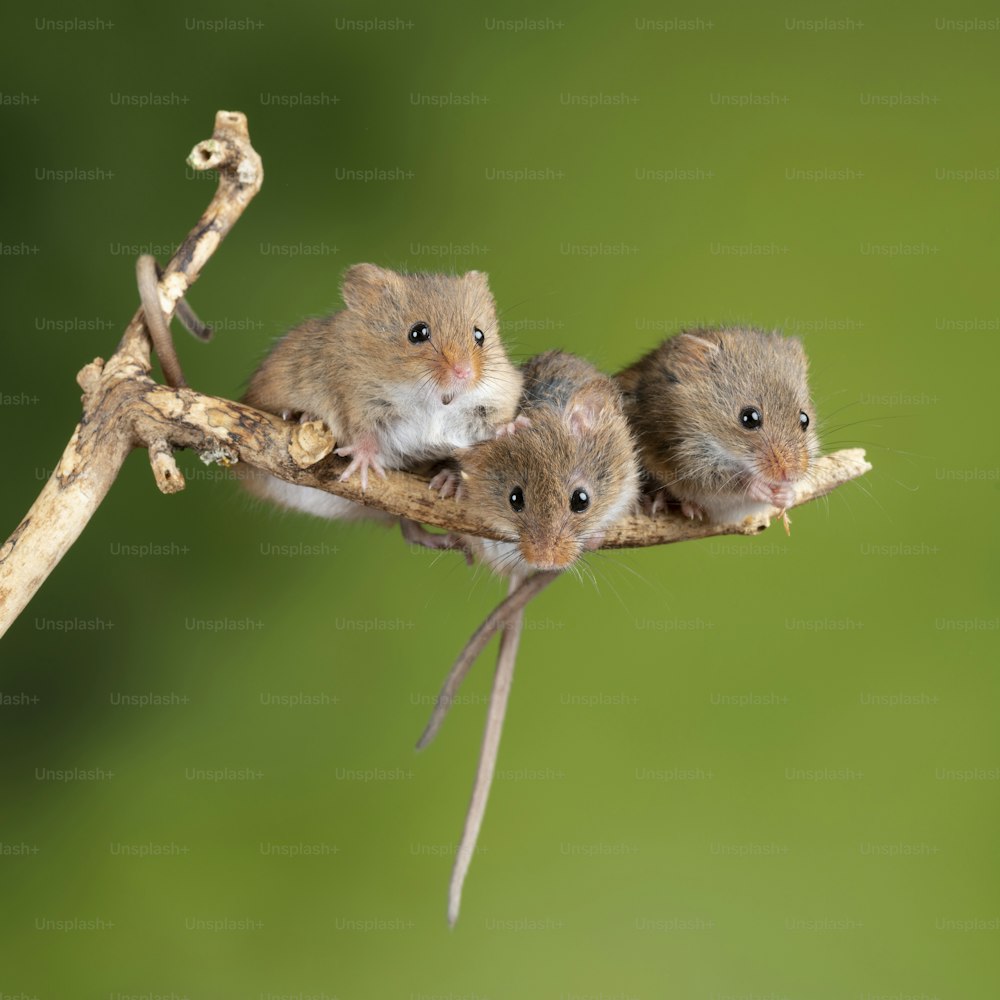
116	414
124	408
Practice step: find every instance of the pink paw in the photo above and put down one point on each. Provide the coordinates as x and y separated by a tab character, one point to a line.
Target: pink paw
513	426
364	456
448	483
784	496
780	496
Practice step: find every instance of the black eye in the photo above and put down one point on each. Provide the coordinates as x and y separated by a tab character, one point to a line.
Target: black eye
479	335
517	499
579	501
419	332
803	419
750	418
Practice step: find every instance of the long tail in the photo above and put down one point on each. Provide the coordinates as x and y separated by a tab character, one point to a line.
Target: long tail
502	679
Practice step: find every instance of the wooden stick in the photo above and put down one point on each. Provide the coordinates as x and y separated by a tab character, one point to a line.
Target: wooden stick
115	417
124	409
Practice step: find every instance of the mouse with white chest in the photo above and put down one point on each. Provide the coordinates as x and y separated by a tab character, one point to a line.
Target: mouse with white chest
410	371
566	474
723	421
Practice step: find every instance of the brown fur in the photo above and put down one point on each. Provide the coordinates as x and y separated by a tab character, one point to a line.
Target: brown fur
341	367
578	437
684	400
358	372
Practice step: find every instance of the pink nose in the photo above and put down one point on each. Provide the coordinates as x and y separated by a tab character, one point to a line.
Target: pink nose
462	371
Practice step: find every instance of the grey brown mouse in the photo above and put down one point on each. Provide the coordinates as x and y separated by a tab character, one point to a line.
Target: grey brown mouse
723	420
562	478
566	471
411	370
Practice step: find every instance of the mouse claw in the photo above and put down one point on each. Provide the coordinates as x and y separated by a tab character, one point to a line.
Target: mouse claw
503	430
652	503
448	483
693	511
299	416
363	457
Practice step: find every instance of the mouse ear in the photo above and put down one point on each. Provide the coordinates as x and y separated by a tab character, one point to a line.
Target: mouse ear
586	406
693	349
478	280
365	284
797	347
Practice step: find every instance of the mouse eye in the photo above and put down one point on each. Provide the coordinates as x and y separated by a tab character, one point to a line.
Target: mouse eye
803	419
478	335
419	332
517	498
579	501
751	418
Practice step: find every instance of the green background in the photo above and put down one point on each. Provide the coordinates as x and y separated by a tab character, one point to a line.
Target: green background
758	768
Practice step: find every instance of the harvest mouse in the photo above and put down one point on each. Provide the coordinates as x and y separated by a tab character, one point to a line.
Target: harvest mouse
723	420
411	370
565	472
562	478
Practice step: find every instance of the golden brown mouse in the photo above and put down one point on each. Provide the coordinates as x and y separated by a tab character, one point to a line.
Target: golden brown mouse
566	473
723	421
411	370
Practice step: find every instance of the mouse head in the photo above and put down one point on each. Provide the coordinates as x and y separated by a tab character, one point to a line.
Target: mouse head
558	484
745	395
437	330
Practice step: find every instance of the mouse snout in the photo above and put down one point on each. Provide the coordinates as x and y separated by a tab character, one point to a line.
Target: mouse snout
783	465
549	552
457	369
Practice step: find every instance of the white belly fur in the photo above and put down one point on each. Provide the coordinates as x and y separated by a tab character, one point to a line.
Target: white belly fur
428	429
317	502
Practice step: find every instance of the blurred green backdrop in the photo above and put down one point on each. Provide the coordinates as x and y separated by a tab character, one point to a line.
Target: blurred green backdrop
748	768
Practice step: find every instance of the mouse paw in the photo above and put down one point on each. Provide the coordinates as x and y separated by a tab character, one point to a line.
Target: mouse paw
513	426
364	456
299	416
448	483
651	504
781	495
784	496
693	511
